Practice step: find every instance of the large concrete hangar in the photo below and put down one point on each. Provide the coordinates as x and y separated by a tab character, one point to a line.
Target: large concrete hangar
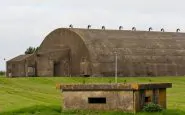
92	52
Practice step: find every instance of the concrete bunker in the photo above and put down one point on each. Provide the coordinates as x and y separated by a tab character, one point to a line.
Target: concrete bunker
122	97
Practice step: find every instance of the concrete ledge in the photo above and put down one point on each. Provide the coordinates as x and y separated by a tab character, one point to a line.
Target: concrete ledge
113	87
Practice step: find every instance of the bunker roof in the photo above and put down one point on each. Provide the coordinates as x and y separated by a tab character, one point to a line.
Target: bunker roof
113	87
20	58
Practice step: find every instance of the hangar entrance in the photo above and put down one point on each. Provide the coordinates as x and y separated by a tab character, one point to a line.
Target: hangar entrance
61	67
56	70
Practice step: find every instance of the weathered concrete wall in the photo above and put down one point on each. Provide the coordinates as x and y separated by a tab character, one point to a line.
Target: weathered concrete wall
16	69
115	100
140	53
61	39
142	97
44	66
162	98
54	63
18	66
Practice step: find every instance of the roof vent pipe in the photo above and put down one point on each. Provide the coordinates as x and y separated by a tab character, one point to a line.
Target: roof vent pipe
150	29
133	28
162	29
120	27
70	26
103	27
178	30
89	26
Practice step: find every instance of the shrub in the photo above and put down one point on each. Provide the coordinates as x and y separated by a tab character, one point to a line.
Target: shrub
152	107
2	73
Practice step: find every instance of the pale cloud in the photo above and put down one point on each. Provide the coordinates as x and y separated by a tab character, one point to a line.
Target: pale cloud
25	23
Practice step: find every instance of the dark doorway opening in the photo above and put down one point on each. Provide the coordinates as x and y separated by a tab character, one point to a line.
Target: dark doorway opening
57	69
147	99
97	100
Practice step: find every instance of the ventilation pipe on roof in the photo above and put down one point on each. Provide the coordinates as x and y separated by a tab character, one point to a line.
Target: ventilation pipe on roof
178	30
120	27
133	28
150	29
70	26
89	26
162	29
103	27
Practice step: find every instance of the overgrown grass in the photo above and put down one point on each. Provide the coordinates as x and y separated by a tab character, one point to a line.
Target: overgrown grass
39	96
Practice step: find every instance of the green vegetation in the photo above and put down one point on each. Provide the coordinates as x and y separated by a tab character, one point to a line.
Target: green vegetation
2	73
39	96
31	50
152	107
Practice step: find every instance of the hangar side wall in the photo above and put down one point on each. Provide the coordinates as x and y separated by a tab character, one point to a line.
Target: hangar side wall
16	69
140	53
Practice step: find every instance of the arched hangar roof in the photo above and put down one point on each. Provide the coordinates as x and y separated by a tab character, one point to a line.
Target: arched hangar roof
131	46
106	42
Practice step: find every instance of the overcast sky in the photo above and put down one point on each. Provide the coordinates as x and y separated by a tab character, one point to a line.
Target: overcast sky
25	23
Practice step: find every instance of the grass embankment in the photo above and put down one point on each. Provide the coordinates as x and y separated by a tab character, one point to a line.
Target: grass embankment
39	96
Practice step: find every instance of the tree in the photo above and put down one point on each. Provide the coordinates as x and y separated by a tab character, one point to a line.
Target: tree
31	50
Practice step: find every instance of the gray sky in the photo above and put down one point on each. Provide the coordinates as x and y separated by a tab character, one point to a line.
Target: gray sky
25	23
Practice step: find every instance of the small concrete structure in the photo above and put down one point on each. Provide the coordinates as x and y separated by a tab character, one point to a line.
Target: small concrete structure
21	66
121	97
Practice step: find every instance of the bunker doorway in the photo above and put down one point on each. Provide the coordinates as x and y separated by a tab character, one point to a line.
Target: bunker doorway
57	70
62	62
62	69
